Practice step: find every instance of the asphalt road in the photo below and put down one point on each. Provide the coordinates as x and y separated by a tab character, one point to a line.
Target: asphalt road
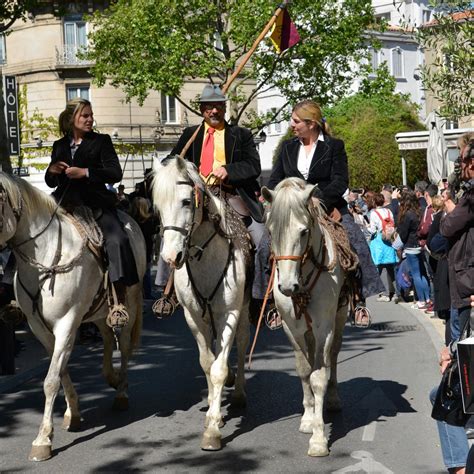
385	375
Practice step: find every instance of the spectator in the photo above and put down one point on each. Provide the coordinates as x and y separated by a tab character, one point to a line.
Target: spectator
408	222
420	188
123	199
383	254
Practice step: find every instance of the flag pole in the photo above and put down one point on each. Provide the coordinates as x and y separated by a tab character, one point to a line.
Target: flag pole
254	46
244	61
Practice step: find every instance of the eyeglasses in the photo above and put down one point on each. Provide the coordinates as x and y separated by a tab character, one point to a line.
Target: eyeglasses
212	106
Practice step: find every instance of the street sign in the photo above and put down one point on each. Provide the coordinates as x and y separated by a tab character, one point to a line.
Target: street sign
21	171
11	113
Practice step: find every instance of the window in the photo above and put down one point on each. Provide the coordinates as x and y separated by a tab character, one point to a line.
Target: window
73	91
383	17
425	16
3	53
397	62
451	124
75	40
374	59
168	109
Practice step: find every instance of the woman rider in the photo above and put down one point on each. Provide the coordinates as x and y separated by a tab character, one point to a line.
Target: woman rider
82	162
318	158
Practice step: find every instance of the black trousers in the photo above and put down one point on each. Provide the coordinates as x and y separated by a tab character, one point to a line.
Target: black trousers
122	266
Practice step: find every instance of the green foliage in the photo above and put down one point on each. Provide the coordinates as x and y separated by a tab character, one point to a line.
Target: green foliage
449	37
171	41
11	10
368	125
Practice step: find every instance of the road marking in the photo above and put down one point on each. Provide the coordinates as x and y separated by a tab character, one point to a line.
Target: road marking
366	463
369	430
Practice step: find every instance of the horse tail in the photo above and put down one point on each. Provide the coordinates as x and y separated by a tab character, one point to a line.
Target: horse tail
137	325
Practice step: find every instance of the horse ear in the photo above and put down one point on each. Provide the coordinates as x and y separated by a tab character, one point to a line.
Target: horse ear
181	163
267	194
312	191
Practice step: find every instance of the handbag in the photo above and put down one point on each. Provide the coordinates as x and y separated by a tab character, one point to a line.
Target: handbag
448	405
465	359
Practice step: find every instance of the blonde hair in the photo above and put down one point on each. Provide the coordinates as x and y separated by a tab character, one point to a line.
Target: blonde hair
140	209
66	117
310	111
464	140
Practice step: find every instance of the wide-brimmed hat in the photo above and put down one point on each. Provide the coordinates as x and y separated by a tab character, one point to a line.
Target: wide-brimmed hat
212	93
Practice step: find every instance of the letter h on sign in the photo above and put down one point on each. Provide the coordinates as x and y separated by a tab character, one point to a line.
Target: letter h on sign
11	113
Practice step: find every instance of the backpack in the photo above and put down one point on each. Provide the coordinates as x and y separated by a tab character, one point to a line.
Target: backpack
388	227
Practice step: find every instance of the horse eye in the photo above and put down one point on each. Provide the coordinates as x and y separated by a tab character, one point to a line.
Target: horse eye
304	232
186	202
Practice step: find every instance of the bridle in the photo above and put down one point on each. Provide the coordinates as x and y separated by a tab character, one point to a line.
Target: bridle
4	201
197	205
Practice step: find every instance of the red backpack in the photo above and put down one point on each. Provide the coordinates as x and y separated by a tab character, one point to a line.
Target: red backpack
388	227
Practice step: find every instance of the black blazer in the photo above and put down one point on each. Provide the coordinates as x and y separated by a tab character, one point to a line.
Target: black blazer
328	169
97	153
242	162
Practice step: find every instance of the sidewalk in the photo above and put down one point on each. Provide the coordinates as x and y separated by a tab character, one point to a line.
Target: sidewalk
32	360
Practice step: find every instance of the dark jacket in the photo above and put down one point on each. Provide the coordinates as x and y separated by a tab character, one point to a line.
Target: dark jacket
458	228
242	162
438	247
407	230
328	169
97	153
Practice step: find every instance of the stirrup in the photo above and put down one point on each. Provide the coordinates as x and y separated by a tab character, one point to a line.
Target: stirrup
117	317
273	319
11	314
361	317
165	306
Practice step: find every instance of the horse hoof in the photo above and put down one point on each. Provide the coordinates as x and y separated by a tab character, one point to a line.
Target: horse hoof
120	404
210	443
71	423
230	380
318	450
40	453
306	427
238	401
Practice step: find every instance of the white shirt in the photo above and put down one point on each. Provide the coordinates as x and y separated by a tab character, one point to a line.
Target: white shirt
375	223
304	159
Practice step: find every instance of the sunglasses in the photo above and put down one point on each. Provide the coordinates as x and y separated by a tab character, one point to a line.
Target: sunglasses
211	106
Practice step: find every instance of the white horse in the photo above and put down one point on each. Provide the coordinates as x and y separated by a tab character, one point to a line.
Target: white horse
307	291
210	280
56	282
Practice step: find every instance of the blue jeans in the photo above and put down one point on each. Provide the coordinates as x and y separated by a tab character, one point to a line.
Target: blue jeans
453	440
418	274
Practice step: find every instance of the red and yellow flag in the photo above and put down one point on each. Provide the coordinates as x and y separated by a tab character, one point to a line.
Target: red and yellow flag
284	34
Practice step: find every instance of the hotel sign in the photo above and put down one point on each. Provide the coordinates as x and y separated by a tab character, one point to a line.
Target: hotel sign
11	113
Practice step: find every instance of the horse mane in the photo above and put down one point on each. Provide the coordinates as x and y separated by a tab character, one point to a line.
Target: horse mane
289	201
34	200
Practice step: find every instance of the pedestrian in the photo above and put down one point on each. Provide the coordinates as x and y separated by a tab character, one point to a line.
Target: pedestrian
407	226
318	158
82	163
383	254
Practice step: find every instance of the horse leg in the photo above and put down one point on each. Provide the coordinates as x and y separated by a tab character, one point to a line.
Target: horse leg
110	374
64	342
72	415
303	346
211	439
239	399
333	401
318	444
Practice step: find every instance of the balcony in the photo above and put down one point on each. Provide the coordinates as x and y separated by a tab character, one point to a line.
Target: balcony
68	56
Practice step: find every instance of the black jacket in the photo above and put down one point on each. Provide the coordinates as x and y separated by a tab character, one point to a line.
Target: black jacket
328	169
242	162
407	230
97	153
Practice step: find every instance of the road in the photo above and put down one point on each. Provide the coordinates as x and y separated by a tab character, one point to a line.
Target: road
385	376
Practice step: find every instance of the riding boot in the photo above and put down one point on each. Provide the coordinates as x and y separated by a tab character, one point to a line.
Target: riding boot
118	315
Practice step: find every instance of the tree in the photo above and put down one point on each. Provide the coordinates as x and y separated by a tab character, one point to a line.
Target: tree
143	45
368	122
10	11
449	39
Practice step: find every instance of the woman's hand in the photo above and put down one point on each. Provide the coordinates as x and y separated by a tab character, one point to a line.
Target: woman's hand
449	205
58	168
445	359
73	172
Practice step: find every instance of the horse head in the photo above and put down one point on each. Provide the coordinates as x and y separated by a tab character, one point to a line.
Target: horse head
10	207
291	225
178	197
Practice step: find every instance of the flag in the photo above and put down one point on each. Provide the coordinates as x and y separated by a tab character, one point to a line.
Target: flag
284	34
